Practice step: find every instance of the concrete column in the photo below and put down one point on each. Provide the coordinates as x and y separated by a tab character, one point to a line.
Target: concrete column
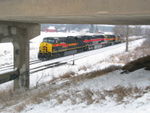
19	34
21	55
21	58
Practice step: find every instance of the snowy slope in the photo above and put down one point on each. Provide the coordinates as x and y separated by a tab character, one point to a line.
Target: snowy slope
138	79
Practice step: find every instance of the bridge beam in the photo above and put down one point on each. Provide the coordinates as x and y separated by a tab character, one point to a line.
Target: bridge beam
19	34
125	12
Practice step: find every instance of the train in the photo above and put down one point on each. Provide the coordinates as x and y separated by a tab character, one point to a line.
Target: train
54	47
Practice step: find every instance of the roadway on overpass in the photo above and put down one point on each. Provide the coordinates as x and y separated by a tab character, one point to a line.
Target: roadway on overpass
76	11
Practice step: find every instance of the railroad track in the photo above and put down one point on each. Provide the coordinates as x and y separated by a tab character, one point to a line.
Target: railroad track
35	62
11	66
47	66
34	69
43	65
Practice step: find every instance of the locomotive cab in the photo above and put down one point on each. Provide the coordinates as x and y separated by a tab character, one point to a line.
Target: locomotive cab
45	49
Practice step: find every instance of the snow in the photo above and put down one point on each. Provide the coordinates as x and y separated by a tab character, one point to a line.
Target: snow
109	33
110	107
92	60
6	53
135	37
51	27
139	78
88	59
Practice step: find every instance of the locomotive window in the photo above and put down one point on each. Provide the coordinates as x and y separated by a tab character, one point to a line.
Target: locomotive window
61	40
49	40
102	36
71	40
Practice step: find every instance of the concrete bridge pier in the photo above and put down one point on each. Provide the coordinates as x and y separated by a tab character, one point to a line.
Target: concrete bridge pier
20	34
21	58
21	54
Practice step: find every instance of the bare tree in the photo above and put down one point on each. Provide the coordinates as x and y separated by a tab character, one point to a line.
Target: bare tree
147	32
123	31
120	30
91	28
137	30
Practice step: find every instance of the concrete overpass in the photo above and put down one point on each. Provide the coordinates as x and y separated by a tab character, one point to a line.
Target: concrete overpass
19	22
76	11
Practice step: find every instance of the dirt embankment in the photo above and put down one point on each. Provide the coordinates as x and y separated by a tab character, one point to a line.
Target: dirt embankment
143	62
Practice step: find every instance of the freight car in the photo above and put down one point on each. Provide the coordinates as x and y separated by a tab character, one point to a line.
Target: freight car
53	47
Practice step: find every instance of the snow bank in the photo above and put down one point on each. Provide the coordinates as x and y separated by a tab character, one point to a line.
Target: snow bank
139	79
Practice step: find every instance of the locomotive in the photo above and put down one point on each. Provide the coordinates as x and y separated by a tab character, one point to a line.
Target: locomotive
53	47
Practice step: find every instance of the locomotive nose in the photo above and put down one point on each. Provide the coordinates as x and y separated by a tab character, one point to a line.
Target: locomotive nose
45	47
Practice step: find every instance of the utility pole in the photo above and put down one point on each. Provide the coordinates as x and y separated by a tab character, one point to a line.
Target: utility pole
127	38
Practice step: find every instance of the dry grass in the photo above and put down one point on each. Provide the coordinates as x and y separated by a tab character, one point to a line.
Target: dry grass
75	97
121	93
5	95
103	71
20	107
37	98
88	96
8	97
67	74
22	98
44	92
138	52
118	94
84	68
90	75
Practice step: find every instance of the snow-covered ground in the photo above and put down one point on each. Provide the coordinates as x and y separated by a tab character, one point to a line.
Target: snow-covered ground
74	103
92	60
89	59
